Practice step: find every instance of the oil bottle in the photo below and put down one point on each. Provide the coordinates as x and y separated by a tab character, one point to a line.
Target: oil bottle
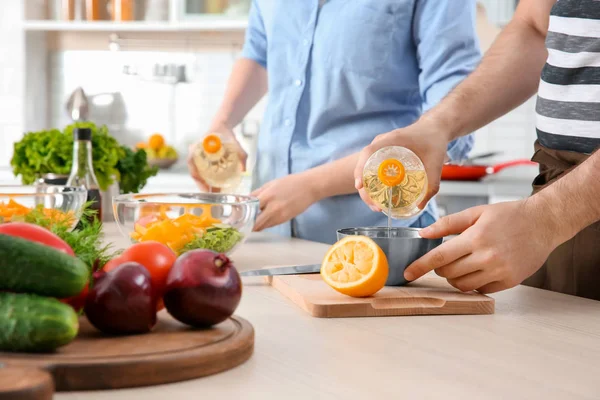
218	162
82	170
395	179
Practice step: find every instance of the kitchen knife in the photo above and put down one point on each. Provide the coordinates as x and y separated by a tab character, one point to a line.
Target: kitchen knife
297	270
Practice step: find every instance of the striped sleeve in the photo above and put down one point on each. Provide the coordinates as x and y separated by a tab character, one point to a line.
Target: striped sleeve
568	103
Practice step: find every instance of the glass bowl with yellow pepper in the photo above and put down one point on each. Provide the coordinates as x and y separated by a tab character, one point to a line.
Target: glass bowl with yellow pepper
187	221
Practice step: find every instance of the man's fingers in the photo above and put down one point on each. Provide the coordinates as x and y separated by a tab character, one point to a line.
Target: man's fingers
461	267
472	281
368	201
452	224
492	287
363	156
442	255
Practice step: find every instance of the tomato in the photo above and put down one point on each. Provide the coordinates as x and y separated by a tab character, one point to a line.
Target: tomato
112	264
156	257
36	233
78	301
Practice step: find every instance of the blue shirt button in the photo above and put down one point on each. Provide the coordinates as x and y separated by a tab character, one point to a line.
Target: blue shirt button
298	82
305	42
287	122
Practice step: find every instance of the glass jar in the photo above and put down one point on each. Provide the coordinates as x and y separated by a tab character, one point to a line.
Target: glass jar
122	10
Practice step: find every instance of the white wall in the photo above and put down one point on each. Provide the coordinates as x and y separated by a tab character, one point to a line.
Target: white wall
12	66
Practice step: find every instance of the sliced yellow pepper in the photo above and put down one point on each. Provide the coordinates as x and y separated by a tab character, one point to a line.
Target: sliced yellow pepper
175	232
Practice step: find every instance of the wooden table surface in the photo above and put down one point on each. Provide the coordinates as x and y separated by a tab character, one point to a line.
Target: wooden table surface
538	345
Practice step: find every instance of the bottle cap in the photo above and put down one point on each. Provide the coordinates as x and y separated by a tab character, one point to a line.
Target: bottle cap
82	134
211	144
391	172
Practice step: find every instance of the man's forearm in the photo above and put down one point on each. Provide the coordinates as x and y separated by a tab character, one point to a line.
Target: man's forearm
247	85
572	202
507	76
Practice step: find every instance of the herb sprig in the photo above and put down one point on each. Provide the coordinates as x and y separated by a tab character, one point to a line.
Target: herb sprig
86	241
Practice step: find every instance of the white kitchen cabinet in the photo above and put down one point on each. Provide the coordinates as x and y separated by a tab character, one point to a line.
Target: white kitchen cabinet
150	16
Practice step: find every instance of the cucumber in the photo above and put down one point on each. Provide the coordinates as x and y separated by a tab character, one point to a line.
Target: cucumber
32	323
31	267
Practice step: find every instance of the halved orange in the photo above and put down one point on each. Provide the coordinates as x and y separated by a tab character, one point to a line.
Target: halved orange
355	266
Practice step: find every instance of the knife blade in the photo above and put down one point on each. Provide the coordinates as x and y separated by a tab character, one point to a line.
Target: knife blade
296	270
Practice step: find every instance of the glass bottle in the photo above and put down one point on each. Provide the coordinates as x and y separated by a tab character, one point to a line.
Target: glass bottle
395	179
93	10
218	162
123	10
82	170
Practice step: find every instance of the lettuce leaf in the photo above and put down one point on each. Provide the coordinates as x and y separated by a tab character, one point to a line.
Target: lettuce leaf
219	239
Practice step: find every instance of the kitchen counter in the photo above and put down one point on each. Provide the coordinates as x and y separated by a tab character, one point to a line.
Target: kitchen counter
539	344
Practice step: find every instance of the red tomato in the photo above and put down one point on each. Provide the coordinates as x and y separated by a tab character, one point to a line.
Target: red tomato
78	301
36	233
156	257
112	264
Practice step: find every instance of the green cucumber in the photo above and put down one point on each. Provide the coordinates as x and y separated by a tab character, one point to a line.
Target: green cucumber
32	323
31	267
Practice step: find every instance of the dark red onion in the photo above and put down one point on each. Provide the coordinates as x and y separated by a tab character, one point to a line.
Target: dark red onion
203	288
122	301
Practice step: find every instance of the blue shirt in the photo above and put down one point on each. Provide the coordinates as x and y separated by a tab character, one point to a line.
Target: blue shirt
342	73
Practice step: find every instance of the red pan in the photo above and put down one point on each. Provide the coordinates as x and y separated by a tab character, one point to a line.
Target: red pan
455	172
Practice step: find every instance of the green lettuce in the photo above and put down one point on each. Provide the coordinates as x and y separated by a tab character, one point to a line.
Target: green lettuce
51	151
217	238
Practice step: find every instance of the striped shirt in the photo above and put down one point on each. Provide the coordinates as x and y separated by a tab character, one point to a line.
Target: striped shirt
568	102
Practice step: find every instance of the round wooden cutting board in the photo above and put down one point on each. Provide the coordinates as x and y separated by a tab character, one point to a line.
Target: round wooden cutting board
172	352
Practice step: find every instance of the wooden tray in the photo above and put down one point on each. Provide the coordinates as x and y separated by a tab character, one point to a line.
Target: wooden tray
427	296
172	352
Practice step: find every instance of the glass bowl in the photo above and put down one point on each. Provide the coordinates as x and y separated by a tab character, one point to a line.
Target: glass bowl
185	221
45	204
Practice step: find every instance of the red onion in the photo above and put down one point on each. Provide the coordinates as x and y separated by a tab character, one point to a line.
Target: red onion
203	288
122	301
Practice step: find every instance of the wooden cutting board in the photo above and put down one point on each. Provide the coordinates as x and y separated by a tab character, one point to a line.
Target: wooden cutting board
429	295
172	352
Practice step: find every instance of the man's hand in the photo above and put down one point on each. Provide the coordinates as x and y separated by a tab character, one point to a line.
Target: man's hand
283	199
425	139
499	246
226	133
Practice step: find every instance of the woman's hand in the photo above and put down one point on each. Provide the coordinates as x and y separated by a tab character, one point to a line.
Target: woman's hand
283	199
228	134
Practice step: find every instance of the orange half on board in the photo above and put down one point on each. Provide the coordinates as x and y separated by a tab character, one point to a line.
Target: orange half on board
355	266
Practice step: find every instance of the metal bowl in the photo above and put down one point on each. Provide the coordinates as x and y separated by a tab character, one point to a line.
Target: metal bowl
401	246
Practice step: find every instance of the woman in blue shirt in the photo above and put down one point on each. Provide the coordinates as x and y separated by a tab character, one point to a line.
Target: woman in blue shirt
337	74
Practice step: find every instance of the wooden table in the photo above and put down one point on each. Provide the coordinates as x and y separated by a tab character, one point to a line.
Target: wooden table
538	345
